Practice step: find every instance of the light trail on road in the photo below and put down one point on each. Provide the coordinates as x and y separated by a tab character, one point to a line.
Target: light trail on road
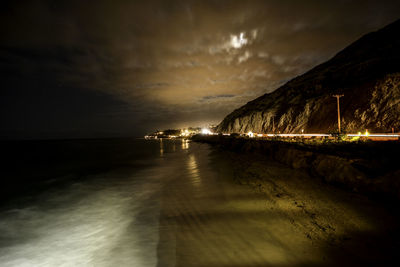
376	136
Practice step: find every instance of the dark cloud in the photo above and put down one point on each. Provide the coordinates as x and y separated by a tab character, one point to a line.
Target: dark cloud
215	97
143	65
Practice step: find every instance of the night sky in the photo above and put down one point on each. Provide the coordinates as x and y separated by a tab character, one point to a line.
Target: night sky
73	69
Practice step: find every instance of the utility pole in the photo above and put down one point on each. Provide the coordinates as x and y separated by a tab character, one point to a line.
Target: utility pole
273	124
338	109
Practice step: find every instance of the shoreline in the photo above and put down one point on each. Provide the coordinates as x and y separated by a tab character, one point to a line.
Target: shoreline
369	168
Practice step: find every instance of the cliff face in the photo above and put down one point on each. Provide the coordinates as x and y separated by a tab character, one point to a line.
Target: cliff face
368	74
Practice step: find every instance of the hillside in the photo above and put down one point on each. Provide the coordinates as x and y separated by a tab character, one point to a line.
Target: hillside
367	72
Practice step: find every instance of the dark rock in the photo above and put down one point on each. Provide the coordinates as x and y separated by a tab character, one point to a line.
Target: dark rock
368	168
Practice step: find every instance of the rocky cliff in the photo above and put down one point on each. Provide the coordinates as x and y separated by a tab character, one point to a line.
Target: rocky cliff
368	74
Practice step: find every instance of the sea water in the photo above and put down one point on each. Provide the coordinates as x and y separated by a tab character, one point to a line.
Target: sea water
85	202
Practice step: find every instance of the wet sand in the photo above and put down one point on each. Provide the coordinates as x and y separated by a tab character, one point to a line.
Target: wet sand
237	210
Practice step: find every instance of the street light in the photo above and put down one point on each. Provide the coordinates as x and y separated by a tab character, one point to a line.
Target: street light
205	131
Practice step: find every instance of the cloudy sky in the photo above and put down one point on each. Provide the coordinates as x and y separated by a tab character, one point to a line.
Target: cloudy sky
120	68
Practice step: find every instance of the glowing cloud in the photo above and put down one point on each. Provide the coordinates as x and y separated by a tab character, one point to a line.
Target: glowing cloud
238	41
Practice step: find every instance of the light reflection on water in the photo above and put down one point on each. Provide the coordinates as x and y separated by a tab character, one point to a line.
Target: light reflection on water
161	147
185	143
193	170
170	145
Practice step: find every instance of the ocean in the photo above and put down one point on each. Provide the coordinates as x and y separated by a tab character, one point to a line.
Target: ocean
85	202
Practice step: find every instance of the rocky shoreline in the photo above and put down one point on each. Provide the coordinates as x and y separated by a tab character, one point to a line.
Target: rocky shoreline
370	168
